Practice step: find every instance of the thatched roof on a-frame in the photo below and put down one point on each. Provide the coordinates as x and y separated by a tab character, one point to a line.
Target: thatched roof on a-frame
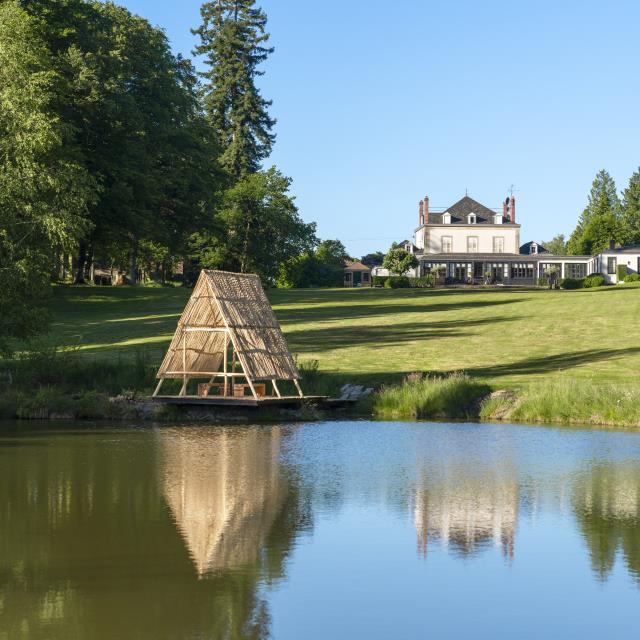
237	302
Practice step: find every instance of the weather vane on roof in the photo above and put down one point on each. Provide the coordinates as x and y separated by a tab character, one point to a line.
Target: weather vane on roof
512	189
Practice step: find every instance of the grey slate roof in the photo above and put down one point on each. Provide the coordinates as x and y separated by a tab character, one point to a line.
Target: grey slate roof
461	209
629	249
525	249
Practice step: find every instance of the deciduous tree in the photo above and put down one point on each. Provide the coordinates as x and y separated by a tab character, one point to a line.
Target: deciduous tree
398	261
44	188
262	227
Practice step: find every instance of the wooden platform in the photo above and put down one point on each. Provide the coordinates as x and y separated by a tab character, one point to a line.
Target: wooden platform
248	401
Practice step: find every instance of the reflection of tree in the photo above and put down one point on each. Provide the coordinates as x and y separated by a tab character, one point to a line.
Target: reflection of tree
606	503
88	548
467	511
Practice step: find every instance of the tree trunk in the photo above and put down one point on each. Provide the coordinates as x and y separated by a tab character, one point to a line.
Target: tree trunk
91	265
133	260
81	262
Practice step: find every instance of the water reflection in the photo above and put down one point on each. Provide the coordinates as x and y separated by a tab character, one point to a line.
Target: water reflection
606	503
467	511
87	549
225	489
195	532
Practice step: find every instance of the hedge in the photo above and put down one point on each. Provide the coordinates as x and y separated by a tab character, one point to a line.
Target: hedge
594	280
572	283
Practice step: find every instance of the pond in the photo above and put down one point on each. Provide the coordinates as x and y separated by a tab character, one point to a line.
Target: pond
327	530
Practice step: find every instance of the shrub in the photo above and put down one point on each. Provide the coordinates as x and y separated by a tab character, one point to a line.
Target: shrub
397	282
632	277
422	283
543	281
622	272
379	281
46	403
453	396
595	280
572	283
92	404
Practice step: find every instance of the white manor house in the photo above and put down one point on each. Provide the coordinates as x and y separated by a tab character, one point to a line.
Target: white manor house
473	243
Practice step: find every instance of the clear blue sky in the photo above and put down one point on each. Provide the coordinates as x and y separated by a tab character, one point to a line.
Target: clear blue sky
379	103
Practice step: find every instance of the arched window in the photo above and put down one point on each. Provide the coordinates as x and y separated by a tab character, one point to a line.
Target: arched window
471	218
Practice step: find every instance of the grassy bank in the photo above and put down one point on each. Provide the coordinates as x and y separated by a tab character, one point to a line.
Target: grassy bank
567	401
111	340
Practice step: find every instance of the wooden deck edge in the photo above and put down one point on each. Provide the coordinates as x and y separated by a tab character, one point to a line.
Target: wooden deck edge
213	401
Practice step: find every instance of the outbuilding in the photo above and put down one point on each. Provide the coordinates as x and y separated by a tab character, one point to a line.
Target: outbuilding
356	274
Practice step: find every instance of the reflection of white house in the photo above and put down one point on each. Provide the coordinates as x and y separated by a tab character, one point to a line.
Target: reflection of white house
467	512
470	242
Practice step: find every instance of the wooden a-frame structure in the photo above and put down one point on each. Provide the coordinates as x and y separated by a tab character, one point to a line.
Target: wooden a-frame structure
228	331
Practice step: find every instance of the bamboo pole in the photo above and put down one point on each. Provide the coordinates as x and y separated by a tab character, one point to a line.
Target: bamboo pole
275	388
298	388
224	366
155	393
184	364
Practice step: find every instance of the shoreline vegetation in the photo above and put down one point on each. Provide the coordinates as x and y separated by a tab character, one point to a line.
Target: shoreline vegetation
457	396
489	355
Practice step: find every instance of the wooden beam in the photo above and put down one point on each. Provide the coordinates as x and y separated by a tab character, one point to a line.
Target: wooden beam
215	374
275	388
184	364
298	388
225	364
206	330
155	393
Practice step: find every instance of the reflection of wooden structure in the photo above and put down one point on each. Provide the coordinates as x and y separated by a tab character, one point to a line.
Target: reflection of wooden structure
229	336
225	489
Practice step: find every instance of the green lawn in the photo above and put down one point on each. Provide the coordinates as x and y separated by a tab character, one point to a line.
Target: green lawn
504	337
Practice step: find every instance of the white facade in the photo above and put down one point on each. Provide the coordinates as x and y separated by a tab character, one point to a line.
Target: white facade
608	262
468	238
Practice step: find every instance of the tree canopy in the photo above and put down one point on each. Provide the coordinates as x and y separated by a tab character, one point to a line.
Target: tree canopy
232	40
45	190
398	261
631	210
600	221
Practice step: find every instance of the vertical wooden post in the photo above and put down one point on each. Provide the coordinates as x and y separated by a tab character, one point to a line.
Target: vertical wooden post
184	363
224	363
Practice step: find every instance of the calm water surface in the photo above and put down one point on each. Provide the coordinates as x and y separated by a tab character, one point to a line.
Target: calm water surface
333	530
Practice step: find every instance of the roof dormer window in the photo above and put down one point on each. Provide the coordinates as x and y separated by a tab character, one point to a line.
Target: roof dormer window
471	218
446	218
534	247
497	218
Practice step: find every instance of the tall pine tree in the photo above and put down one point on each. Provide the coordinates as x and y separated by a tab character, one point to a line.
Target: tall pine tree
631	210
232	41
600	220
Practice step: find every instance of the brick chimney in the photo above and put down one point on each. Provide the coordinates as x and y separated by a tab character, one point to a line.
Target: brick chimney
420	214
425	211
509	209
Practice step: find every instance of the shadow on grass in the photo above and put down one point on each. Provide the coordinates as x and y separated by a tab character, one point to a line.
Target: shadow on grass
311	340
356	296
340	312
548	364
